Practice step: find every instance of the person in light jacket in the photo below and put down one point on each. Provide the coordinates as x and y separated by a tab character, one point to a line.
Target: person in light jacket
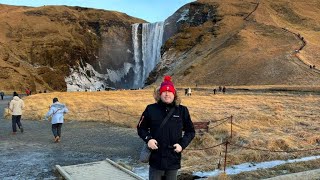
16	105
56	111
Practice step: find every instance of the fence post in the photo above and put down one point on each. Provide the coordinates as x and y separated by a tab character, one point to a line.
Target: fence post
220	155
225	157
231	126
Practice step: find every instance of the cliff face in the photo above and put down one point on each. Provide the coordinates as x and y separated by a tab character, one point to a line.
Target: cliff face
42	46
207	42
242	43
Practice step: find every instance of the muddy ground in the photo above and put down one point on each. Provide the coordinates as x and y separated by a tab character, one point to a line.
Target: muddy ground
33	154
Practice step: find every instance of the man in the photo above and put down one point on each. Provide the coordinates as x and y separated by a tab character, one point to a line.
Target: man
56	111
16	105
1	94
168	142
189	92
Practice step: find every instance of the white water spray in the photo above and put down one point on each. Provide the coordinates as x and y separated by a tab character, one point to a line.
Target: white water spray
146	53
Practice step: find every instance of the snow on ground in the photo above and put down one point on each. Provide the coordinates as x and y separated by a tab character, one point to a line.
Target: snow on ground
184	15
143	171
253	166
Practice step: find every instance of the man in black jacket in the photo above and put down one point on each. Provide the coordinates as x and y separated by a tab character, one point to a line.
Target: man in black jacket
168	142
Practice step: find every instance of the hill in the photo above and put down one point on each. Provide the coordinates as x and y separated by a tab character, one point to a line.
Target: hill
206	43
246	43
40	46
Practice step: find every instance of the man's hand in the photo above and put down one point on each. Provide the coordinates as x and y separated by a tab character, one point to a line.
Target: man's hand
152	144
177	148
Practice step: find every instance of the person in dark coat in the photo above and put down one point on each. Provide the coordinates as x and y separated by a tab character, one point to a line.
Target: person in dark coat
1	94
169	142
224	90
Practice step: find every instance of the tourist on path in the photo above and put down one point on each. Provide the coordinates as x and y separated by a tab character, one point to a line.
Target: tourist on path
16	106
1	94
56	112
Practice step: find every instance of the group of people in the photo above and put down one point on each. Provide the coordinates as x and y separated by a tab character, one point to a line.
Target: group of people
166	144
56	112
187	91
220	89
312	66
29	92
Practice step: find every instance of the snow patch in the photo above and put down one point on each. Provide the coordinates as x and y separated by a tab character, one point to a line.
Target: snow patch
117	75
142	171
85	79
184	15
253	166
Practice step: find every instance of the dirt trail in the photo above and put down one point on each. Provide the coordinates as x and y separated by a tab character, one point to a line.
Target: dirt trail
32	154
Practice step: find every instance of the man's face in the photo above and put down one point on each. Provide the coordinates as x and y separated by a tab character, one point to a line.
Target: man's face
167	97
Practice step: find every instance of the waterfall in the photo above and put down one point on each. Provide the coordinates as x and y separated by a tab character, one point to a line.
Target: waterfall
147	42
137	56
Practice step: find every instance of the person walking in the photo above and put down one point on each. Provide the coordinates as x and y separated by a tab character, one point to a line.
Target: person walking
189	91
224	90
56	112
1	94
168	142
16	106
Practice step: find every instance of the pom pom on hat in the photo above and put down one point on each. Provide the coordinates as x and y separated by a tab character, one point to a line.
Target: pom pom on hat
167	78
167	85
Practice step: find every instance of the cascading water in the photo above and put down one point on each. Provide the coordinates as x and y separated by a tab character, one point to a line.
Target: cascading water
147	42
137	56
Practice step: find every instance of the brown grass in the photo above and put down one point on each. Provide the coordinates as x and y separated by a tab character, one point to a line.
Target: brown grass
274	121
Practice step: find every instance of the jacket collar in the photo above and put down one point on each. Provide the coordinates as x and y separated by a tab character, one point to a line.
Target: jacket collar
165	104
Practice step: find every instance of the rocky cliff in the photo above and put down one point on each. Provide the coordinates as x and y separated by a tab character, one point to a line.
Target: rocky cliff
45	47
207	42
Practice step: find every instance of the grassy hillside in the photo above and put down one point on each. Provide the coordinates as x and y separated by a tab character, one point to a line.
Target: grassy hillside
253	44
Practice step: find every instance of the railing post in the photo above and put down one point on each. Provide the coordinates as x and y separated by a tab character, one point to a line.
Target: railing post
225	157
220	154
231	118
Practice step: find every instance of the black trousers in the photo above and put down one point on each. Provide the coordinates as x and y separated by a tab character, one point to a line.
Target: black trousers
155	174
56	129
16	120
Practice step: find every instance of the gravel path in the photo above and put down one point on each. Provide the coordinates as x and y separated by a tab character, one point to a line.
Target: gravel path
33	154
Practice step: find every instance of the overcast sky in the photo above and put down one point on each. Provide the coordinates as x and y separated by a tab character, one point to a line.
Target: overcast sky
149	10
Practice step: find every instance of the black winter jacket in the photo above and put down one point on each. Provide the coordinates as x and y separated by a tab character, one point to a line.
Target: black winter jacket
165	158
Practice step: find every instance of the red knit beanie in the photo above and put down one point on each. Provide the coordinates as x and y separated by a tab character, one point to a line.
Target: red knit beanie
167	85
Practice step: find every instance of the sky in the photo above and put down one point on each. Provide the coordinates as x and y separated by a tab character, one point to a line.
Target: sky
149	10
